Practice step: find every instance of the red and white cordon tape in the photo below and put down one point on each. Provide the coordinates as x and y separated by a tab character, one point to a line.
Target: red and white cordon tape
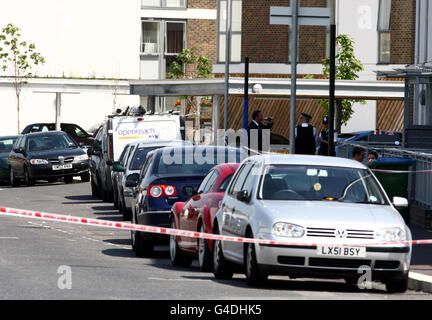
184	233
401	171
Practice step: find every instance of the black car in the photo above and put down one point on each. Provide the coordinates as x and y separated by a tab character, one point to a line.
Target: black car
47	156
164	180
75	131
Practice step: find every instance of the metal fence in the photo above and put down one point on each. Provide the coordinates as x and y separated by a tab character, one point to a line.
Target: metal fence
419	183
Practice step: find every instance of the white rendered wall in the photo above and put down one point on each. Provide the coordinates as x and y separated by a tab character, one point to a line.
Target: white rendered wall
358	19
87	109
80	38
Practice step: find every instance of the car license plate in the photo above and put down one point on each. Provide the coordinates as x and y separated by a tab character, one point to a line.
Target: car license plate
282	151
62	166
359	252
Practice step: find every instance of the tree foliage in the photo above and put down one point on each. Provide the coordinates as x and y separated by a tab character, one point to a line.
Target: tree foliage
188	56
347	68
17	59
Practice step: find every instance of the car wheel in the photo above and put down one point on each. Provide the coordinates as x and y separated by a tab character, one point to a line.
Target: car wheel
222	269
13	181
116	197
107	196
253	274
68	179
398	286
141	247
204	253
29	182
126	213
178	258
85	177
94	189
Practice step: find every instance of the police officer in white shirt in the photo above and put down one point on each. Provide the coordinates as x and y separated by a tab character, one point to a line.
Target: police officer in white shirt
323	138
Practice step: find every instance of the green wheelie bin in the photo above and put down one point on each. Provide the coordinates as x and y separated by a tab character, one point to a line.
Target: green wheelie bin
395	184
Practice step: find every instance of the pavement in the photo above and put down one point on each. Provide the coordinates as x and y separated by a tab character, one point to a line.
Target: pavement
35	257
421	262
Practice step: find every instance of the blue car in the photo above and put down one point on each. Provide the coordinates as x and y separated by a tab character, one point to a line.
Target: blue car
371	135
169	175
376	136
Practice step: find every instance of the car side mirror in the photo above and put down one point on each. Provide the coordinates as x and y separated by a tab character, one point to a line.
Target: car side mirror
90	151
96	147
110	162
19	150
132	180
116	166
243	196
400	202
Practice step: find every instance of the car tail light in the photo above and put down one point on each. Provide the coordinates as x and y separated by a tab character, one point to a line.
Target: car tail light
140	119
170	191
159	190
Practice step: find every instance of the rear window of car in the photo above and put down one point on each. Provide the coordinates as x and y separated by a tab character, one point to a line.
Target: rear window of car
191	161
6	144
139	157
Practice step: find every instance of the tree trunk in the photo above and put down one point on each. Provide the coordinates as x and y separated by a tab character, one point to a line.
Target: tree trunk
18	113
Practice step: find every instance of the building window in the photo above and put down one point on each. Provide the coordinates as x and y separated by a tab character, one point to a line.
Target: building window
163	3
174	42
150	39
161	42
384	31
236	22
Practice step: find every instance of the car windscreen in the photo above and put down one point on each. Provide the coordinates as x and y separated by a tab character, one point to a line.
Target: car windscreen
6	144
194	161
139	157
49	142
326	183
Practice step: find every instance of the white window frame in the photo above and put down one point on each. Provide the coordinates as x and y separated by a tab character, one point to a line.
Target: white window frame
142	40
219	33
163	4
382	31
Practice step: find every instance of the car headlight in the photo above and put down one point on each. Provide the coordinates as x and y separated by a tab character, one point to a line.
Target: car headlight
284	229
81	157
39	161
390	234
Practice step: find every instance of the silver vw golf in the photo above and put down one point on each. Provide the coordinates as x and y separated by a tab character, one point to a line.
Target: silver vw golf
333	211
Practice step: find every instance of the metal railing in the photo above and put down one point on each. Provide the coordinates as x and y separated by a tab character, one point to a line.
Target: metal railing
419	183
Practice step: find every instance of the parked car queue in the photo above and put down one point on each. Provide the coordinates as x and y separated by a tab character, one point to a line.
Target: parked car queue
305	199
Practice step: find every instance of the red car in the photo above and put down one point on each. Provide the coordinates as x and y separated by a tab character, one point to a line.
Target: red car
198	214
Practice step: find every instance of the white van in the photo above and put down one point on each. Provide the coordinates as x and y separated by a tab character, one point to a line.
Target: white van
120	130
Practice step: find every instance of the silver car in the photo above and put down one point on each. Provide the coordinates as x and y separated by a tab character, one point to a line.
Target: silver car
130	163
320	205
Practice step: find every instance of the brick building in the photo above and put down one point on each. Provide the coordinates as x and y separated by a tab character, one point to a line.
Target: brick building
168	27
384	36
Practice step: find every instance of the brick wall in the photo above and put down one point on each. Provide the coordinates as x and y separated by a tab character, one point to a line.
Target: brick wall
202	4
201	35
402	36
265	43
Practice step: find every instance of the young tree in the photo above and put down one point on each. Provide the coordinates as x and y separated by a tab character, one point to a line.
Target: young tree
17	59
347	68
203	70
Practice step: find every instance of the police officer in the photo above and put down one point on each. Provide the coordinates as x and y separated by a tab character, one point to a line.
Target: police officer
323	138
305	136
